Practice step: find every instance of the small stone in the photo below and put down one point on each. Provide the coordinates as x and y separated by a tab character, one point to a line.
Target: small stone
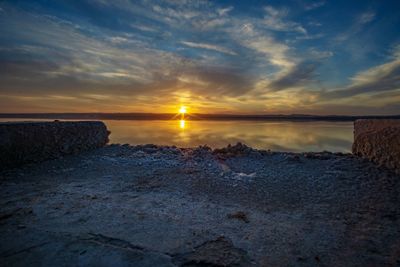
240	215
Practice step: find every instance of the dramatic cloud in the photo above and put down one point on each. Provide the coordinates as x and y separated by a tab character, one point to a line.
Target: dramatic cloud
125	55
385	77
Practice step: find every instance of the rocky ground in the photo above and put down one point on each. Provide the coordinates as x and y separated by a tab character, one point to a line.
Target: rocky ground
165	206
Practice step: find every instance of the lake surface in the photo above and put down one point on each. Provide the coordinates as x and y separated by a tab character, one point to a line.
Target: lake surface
274	135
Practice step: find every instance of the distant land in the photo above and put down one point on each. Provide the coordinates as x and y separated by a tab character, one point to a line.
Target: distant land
193	116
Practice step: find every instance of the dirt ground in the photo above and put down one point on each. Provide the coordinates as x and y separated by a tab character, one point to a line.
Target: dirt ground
165	206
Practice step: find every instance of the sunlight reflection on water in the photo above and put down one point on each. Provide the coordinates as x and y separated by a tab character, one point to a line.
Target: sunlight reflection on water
278	136
182	124
274	135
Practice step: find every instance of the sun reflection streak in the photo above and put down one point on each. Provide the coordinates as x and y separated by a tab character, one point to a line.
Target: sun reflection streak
182	124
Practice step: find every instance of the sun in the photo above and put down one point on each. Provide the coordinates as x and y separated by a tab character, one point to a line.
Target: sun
182	110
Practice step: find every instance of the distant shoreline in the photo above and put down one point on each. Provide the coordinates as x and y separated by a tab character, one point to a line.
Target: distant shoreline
170	116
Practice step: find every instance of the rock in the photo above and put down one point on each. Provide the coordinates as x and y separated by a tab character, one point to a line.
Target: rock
318	155
378	141
219	252
231	151
293	158
29	142
240	215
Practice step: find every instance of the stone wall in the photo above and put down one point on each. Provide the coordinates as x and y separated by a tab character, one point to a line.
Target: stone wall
378	141
27	142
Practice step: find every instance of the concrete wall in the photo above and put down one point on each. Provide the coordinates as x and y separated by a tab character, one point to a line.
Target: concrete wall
26	142
378	141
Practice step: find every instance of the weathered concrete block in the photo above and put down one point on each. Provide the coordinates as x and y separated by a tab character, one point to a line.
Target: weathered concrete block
26	142
378	141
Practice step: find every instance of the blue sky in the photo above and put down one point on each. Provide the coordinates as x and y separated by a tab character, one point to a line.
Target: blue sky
262	57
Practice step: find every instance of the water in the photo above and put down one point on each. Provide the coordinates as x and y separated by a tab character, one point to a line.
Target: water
274	135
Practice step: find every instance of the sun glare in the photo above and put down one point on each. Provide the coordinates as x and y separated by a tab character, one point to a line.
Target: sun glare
182	110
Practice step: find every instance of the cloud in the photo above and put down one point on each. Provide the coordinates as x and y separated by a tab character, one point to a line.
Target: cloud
318	54
275	53
71	53
276	19
142	54
264	49
300	75
314	5
209	47
381	78
119	40
224	11
211	24
216	81
366	17
358	25
144	28
310	36
66	61
314	23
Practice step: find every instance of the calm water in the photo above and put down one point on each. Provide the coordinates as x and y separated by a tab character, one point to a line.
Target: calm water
278	136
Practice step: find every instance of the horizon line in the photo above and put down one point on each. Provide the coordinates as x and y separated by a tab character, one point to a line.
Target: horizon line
188	116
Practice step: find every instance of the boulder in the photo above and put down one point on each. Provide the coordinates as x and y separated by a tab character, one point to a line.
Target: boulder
378	141
28	142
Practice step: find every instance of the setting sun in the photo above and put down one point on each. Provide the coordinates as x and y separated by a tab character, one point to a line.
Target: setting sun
182	110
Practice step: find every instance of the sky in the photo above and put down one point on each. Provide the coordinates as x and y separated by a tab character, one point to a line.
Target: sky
244	57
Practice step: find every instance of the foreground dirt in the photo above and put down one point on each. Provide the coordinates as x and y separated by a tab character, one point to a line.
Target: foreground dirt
164	206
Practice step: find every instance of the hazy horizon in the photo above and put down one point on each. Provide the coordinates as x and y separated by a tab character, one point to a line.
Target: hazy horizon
189	116
199	113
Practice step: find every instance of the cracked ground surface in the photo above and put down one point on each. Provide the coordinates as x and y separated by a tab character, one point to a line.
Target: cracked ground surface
165	206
